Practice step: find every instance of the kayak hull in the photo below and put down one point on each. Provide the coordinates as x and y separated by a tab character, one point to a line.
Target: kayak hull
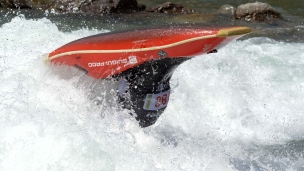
109	54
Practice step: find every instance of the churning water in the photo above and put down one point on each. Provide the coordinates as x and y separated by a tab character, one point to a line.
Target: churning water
239	109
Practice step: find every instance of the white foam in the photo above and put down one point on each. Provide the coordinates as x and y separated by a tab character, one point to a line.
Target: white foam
251	92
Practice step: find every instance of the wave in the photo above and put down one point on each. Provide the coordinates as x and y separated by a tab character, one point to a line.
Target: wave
232	110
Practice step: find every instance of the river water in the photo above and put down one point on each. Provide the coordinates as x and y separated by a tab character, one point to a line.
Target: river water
239	109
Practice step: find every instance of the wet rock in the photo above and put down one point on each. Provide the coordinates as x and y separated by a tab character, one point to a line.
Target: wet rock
76	6
35	4
109	6
7	4
126	5
257	11
227	10
97	6
171	8
12	3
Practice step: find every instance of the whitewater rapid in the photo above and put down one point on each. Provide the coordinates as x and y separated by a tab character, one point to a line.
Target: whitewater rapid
239	109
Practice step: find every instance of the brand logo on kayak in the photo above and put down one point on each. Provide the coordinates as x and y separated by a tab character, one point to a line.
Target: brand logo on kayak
132	60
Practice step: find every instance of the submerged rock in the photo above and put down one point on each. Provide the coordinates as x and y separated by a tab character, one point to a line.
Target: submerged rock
257	11
227	10
171	8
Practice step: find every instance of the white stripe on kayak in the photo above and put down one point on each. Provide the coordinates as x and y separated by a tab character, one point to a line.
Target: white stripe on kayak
131	50
221	33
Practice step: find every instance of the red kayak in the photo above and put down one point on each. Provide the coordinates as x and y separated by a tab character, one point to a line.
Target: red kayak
104	55
143	61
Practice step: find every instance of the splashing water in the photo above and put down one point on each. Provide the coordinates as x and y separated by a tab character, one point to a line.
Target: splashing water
239	109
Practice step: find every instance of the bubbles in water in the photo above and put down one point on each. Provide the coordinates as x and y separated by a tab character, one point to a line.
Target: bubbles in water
227	111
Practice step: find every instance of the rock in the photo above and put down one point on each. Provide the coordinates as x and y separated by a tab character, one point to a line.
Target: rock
9	4
40	4
171	8
125	5
77	6
257	11
19	4
97	6
226	10
5	4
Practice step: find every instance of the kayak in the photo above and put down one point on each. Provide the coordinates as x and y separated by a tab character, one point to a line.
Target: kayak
143	61
104	55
